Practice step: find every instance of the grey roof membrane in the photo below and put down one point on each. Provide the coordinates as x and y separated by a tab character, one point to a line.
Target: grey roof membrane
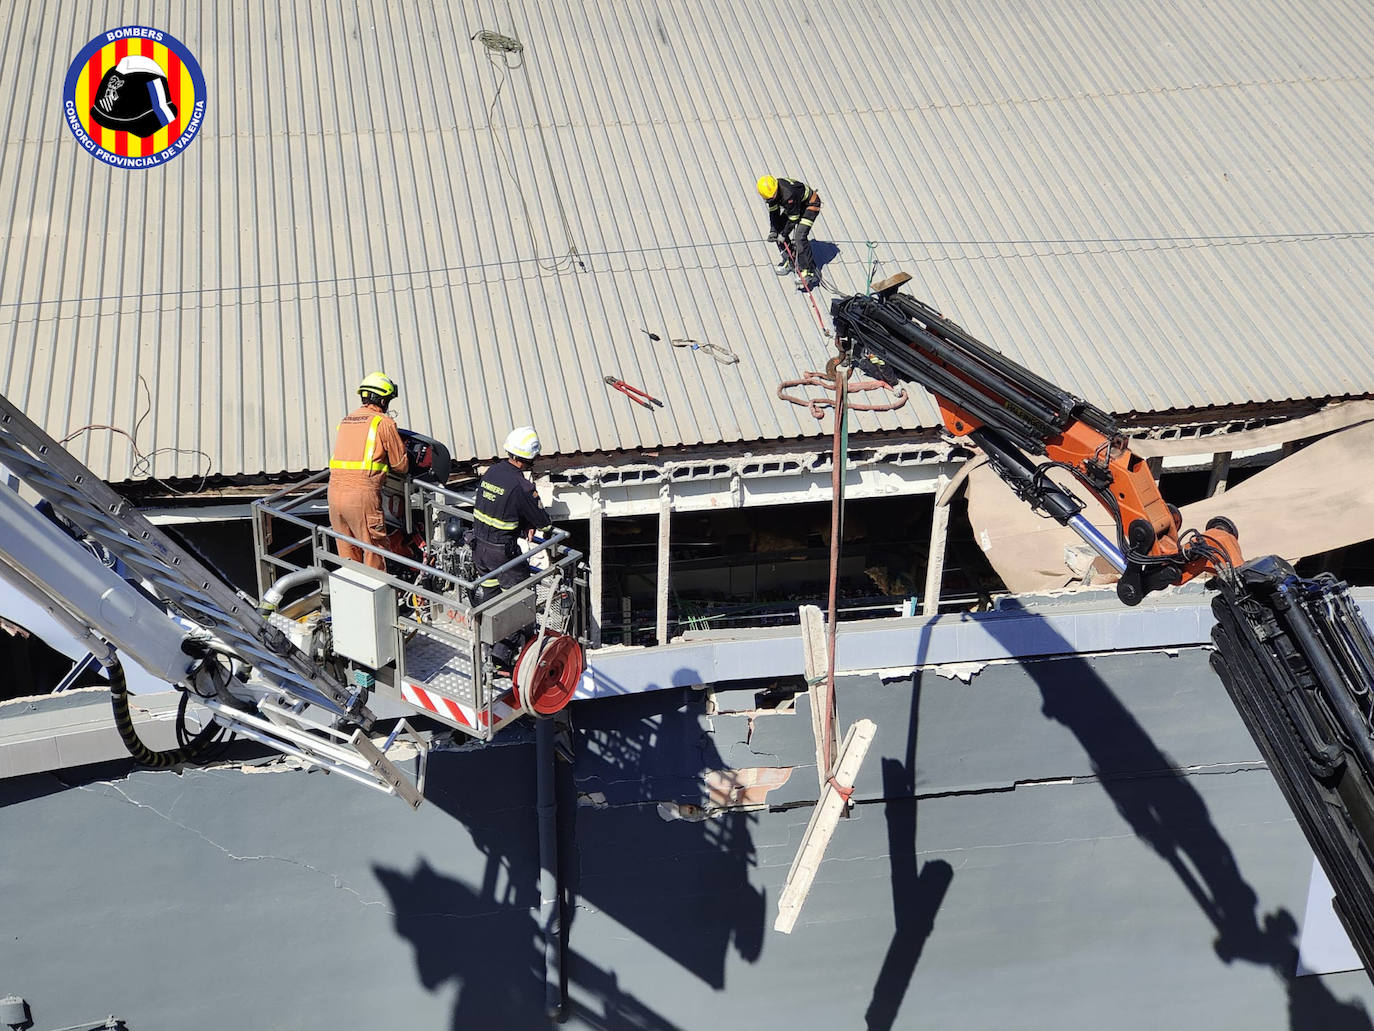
1078	843
1159	206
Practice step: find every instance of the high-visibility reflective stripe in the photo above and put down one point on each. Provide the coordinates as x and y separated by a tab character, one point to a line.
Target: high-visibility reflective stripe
369	463
500	524
808	222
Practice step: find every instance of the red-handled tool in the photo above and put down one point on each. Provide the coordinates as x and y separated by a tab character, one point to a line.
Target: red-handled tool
634	393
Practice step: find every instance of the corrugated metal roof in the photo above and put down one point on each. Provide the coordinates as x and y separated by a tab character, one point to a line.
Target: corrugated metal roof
1159	206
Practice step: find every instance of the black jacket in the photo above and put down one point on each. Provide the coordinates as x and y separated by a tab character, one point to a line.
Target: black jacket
789	203
507	504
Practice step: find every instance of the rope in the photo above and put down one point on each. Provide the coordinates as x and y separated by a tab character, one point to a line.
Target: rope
843	792
841	448
820	320
826	382
499	43
719	352
383	279
872	265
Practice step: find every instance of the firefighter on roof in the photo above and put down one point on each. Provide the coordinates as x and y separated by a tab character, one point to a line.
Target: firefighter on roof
792	210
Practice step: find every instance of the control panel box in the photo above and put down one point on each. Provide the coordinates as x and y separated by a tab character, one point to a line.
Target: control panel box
364	612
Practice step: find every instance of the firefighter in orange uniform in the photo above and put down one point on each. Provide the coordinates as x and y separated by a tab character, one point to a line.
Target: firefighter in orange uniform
367	447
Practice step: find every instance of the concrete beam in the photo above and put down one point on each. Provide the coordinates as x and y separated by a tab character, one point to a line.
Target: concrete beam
1092	621
742	483
76	728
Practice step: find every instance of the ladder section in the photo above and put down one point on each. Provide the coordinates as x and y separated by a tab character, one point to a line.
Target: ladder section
270	702
184	584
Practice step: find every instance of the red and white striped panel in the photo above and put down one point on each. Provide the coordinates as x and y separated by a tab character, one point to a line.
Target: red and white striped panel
456	712
444	708
504	710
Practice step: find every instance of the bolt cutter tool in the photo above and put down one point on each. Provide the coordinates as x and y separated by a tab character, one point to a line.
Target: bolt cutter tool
634	393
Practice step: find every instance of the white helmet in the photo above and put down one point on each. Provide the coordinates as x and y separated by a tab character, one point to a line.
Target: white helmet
523	442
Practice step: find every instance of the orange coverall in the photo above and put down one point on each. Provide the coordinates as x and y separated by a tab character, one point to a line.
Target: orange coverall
368	445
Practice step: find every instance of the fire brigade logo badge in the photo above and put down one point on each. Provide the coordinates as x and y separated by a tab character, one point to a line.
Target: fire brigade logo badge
134	97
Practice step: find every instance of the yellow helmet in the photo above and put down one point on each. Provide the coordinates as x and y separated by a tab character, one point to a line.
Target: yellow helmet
768	187
380	384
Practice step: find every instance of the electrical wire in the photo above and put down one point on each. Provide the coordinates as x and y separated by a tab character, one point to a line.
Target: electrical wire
1196	544
506	54
143	460
214	747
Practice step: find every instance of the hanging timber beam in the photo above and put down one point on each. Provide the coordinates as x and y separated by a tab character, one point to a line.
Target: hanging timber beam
935	556
597	586
815	663
824	817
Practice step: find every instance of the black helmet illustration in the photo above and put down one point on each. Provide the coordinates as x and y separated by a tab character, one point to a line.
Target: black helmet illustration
133	97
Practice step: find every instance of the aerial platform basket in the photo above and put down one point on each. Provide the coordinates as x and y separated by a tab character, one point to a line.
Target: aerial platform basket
422	634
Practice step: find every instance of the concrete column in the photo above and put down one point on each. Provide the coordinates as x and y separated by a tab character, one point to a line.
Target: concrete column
596	579
935	561
665	513
1221	470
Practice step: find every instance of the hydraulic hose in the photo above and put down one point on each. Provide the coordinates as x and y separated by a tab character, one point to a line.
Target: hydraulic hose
124	723
275	593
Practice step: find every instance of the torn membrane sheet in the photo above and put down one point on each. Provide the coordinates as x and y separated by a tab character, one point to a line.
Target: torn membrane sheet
1316	500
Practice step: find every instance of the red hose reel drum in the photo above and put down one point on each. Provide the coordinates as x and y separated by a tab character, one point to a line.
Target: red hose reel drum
546	673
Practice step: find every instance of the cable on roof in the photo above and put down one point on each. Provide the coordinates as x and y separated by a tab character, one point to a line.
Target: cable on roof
143	461
498	43
500	49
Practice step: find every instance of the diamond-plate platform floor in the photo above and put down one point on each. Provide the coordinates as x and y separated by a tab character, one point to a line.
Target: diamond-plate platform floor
440	667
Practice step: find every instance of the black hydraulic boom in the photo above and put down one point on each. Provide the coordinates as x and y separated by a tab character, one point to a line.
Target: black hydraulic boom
1297	659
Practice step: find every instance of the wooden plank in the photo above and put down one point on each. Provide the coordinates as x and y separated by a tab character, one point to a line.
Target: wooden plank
892	282
814	656
816	663
823	820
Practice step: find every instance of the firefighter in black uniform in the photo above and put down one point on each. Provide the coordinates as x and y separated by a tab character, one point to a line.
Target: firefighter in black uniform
507	505
792	210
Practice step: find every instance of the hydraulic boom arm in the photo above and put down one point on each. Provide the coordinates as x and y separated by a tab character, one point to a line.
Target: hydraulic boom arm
1010	413
1294	653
